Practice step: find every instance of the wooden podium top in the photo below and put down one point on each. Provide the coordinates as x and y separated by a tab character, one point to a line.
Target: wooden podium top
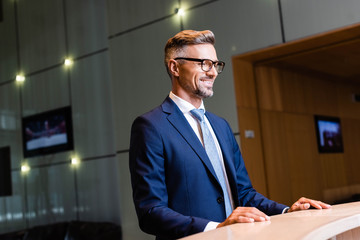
305	225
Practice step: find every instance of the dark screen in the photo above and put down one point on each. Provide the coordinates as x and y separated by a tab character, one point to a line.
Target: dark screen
5	172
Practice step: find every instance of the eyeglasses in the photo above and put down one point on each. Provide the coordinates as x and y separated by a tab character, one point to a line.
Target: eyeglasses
206	64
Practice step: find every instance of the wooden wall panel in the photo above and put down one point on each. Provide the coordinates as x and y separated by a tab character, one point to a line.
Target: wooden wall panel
276	156
333	170
268	88
351	139
321	96
297	92
251	148
347	107
338	195
288	102
304	165
308	94
293	87
245	84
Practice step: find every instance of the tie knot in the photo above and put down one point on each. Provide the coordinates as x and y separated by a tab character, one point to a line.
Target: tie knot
198	113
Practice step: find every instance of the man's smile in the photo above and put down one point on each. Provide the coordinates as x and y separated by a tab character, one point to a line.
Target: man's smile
208	82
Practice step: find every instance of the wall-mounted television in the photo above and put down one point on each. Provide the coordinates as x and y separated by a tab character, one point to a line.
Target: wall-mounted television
329	136
48	132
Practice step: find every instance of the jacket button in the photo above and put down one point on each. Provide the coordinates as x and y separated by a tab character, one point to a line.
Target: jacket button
220	200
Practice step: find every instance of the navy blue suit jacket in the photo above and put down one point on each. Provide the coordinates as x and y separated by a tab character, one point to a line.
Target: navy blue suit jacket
175	190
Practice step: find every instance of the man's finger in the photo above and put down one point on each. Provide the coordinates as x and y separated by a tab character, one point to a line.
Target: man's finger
242	219
305	206
255	217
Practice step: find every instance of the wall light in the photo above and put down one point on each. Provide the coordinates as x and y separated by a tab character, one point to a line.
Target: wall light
180	11
25	168
20	78
68	62
75	161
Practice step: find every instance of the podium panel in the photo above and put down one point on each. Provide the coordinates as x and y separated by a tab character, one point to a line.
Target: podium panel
339	222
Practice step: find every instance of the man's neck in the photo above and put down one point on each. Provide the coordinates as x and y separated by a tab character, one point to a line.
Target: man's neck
173	96
194	100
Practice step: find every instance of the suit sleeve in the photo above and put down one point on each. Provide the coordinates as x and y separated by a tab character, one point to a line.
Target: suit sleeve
247	195
147	168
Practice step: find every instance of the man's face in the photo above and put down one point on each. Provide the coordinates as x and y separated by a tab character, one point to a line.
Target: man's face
192	80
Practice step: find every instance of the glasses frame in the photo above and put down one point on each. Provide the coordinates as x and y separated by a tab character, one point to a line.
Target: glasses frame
202	61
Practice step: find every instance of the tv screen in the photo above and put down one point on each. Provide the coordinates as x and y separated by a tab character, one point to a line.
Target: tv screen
47	132
5	172
329	136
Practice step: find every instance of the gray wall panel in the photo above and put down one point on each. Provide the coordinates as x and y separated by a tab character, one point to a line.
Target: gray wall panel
45	91
8	50
50	195
308	17
86	26
10	122
12	208
139	77
101	201
42	34
91	98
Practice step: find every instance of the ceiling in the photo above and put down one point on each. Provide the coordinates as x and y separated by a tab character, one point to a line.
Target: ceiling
338	60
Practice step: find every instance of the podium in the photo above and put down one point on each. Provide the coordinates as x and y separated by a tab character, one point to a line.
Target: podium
337	223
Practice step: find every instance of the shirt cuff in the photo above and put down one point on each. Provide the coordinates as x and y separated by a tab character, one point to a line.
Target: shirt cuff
211	226
285	210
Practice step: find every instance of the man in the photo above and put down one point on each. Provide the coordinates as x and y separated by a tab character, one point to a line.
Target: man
187	171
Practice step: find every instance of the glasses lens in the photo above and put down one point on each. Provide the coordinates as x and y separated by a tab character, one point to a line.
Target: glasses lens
206	65
219	66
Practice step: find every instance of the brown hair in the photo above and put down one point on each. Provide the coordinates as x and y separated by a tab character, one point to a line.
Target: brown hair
184	38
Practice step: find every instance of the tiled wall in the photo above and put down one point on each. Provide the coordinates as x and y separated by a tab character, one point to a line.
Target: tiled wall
118	73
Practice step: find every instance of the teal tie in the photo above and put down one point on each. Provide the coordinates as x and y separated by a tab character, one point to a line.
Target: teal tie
213	155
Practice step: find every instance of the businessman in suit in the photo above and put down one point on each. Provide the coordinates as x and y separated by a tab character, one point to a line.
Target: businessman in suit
181	185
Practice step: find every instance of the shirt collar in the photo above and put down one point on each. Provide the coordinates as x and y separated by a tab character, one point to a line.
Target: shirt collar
184	106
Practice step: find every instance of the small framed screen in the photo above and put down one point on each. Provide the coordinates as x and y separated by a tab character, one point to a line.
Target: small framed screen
329	136
47	132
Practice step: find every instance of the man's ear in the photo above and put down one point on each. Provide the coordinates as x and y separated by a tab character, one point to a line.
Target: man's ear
173	67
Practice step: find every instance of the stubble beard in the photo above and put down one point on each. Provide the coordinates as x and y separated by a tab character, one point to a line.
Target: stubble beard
204	92
198	90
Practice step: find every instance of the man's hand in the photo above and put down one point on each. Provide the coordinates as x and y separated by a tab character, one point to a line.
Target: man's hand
306	203
245	215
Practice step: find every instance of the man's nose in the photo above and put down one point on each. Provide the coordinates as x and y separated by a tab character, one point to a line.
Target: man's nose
213	73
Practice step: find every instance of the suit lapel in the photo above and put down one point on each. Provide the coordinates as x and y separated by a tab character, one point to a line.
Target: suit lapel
179	122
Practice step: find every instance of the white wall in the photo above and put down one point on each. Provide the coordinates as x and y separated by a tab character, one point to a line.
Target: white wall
118	74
